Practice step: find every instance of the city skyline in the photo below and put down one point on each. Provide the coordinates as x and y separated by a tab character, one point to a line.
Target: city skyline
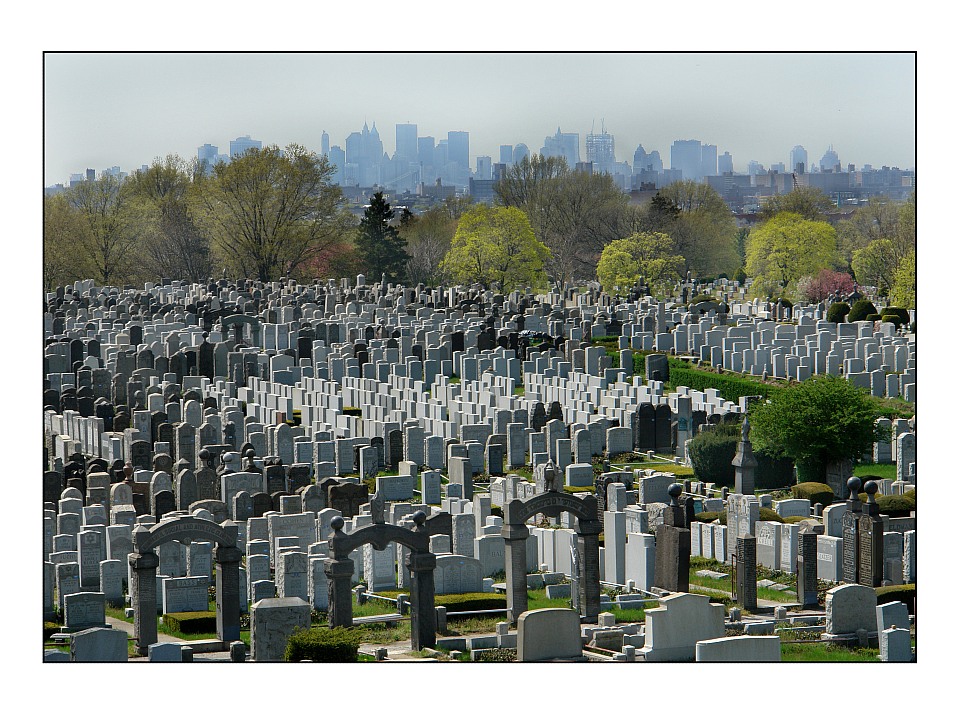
796	107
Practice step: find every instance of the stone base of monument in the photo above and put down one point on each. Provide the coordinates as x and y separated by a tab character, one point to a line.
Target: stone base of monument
862	639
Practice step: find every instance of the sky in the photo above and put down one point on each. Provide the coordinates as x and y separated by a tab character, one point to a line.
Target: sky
126	109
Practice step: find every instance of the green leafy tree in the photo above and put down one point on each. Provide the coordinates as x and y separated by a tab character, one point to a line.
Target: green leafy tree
704	230
903	293
173	245
807	201
875	264
786	248
877	220
114	224
63	230
816	422
647	255
271	213
574	213
496	244
380	245
428	237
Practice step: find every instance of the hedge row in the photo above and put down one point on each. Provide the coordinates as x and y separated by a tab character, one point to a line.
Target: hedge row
323	645
472	601
712	453
906	593
191	622
731	387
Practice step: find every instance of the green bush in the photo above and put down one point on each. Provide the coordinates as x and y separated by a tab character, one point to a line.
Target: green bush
769	515
814	492
702	297
708	516
906	593
860	309
900	312
794	519
578	489
322	645
911	495
838	312
892	318
893	505
191	622
49	629
740	275
730	386
712	453
786	303
872	317
472	601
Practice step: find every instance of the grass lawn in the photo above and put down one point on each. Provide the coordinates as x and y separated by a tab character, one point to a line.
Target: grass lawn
827	653
887	470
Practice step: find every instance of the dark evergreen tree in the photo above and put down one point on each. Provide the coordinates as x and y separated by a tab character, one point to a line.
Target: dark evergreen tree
380	247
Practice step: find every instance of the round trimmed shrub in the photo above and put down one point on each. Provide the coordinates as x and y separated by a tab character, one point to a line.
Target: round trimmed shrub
712	453
702	297
337	645
893	505
900	312
814	492
838	312
892	319
708	516
860	309
786	303
770	515
911	495
794	519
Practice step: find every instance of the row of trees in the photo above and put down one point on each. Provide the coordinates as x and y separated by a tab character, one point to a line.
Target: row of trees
273	213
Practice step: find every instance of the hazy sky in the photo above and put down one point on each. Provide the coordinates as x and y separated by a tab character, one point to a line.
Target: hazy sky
106	109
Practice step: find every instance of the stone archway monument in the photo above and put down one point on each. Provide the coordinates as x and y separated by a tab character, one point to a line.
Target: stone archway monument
144	562
588	528
420	561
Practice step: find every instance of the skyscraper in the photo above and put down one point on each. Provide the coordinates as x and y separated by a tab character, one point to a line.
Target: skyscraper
708	160
324	143
407	142
242	144
686	155
425	146
506	154
458	148
566	146
484	164
600	151
519	152
724	163
830	160
798	155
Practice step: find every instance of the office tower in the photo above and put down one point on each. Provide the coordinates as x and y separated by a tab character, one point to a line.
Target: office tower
458	148
407	142
484	165
686	156
506	154
324	143
643	161
565	146
207	156
724	163
754	168
600	151
242	144
708	160
520	151
778	167
338	159
91	174
425	147
830	161
798	156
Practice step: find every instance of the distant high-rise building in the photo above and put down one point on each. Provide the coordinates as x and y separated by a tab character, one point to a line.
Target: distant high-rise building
830	161
754	168
708	160
324	143
242	144
207	156
643	161
425	147
778	167
91	174
484	168
520	151
724	163
686	156
407	142
600	151
797	156
506	154
851	168
565	146
458	147
338	159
